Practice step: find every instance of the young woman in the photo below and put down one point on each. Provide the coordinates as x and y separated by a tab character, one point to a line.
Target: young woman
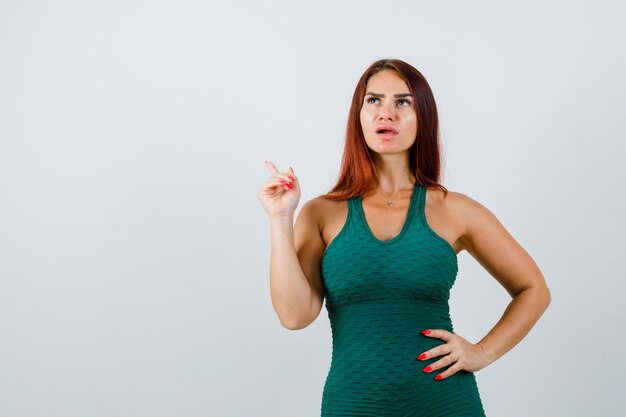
382	248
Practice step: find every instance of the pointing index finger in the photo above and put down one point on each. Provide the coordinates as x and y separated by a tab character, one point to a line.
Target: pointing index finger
271	167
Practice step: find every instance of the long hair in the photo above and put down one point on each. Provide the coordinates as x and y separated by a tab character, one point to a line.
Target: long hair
358	173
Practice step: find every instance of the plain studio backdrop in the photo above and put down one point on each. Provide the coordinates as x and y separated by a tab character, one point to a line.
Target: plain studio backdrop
134	253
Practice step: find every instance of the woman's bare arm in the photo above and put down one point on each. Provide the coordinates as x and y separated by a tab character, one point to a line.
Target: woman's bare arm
487	240
295	280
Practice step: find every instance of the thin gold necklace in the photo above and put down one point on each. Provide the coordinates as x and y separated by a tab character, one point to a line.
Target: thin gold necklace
390	203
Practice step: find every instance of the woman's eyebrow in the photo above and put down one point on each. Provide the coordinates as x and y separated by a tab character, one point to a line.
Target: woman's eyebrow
383	95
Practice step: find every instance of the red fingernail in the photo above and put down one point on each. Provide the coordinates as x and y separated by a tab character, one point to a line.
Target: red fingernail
292	179
426	332
427	369
422	356
289	186
438	377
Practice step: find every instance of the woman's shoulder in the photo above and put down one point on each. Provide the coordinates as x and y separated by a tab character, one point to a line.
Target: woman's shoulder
329	214
450	201
325	208
457	207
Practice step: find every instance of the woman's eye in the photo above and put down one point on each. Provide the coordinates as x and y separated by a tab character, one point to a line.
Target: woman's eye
406	101
369	100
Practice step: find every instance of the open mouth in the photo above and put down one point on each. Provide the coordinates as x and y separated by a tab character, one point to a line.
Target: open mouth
386	131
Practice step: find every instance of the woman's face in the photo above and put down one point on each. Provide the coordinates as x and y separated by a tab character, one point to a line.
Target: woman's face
388	119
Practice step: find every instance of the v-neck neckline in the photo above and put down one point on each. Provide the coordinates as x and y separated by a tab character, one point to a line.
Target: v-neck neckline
407	220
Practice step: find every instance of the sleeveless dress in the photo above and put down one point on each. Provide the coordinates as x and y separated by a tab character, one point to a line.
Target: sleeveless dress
380	295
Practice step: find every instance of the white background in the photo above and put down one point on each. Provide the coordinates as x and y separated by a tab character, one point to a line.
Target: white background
134	254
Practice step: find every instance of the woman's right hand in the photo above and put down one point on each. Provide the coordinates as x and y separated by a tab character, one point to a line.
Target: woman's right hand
281	192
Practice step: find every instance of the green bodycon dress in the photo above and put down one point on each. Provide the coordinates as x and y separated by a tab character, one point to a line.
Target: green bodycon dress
380	295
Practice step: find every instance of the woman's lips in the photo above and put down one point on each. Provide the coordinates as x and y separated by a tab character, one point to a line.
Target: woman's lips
386	135
386	131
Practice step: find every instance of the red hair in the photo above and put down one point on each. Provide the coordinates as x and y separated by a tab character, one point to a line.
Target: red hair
358	174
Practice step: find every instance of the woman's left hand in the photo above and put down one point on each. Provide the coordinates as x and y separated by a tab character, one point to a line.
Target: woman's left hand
458	352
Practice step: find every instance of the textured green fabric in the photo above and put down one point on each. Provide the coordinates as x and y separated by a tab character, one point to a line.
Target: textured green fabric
380	295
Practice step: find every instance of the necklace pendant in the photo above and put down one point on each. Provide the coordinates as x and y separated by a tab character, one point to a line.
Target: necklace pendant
390	204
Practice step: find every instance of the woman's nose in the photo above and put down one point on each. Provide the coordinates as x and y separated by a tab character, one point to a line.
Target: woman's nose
387	111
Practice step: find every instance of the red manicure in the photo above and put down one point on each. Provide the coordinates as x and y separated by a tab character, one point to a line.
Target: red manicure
438	377
426	332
